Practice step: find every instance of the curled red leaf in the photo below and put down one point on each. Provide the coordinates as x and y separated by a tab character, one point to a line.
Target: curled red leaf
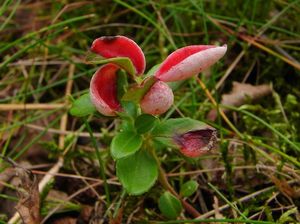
103	90
120	46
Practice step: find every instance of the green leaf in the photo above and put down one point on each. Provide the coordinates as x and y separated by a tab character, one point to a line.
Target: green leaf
137	92
137	172
189	188
130	108
124	144
123	62
173	126
145	123
169	205
153	70
128	115
82	106
122	84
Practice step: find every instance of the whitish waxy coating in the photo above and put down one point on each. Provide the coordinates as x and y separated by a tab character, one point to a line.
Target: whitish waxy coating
191	64
158	100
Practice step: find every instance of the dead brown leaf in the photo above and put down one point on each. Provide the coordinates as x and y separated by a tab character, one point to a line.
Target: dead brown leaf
284	187
29	197
8	176
239	94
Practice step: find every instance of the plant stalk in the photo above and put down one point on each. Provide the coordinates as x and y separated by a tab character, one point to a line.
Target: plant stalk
165	183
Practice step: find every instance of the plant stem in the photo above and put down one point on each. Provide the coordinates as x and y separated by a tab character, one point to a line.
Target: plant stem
101	163
123	194
165	183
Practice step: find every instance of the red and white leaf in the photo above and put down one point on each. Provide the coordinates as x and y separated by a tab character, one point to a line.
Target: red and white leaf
103	90
120	46
188	61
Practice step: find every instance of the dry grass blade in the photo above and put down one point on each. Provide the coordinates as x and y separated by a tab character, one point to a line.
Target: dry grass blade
35	106
253	42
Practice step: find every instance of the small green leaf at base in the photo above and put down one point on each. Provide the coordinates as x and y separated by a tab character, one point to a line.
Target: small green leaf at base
122	84
189	188
136	93
123	62
125	143
145	123
137	172
169	205
130	108
82	106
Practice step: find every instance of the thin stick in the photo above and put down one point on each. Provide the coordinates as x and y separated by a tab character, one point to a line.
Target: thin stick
111	181
230	69
64	119
34	106
66	132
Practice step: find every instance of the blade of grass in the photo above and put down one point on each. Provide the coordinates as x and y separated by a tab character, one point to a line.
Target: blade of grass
199	6
28	120
4	6
101	162
26	48
48	28
148	18
35	139
55	84
233	206
10	15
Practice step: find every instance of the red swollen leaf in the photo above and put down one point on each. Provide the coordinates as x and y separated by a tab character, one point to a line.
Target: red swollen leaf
120	46
158	99
103	90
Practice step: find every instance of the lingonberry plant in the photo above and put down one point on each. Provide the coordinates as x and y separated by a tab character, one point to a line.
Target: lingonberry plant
120	89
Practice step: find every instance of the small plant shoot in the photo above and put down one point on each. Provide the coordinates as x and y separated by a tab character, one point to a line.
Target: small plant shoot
119	89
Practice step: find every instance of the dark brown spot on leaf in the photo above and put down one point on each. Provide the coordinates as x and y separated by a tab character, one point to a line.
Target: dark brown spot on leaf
109	38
